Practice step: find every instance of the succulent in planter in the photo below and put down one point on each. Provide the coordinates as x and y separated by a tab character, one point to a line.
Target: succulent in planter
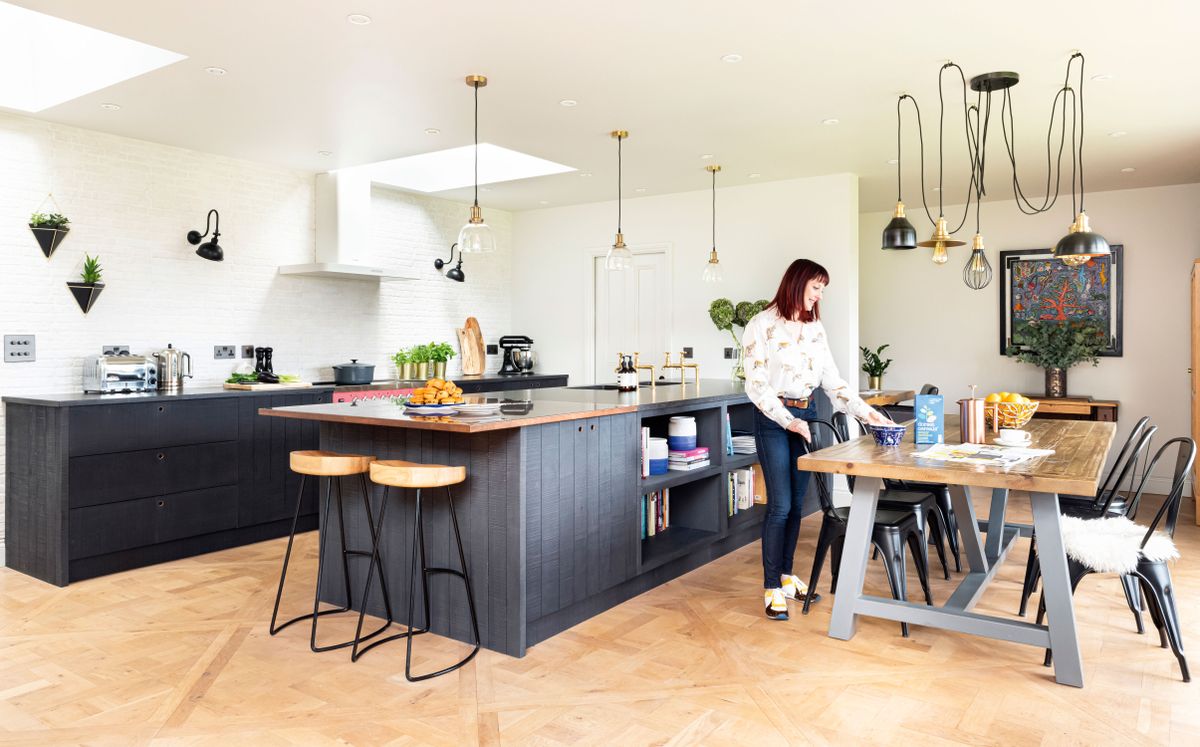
1056	346
49	229
874	366
87	289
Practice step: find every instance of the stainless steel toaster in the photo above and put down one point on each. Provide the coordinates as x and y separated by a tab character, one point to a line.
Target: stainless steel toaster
119	373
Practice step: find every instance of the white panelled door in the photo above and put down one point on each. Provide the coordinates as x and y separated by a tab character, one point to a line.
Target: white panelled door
632	313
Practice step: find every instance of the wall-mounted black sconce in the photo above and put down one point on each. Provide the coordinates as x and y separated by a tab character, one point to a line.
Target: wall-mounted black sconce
209	249
454	273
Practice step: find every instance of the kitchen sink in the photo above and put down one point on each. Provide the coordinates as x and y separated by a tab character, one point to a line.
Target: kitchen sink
614	387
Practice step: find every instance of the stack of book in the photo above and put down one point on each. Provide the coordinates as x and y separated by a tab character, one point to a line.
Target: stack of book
682	461
744	445
740	490
656	512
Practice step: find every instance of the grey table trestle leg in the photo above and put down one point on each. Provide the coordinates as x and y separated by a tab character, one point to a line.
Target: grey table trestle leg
984	561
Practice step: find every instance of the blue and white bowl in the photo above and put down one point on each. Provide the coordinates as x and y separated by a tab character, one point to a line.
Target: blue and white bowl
887	435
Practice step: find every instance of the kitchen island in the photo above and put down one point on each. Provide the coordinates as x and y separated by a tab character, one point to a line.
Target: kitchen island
551	508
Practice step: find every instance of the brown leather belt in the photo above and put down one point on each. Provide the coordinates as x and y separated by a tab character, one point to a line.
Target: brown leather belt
790	402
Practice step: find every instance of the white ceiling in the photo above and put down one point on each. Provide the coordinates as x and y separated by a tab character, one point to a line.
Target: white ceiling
302	80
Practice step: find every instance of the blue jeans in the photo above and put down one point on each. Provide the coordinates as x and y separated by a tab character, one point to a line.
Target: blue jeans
778	450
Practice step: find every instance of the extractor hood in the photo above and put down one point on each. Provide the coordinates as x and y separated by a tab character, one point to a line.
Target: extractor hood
343	218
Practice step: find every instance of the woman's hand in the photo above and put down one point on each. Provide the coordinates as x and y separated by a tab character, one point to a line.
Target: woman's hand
876	418
801	427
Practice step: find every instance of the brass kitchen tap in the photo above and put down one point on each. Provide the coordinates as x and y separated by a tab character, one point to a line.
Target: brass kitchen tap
682	367
668	364
620	360
639	366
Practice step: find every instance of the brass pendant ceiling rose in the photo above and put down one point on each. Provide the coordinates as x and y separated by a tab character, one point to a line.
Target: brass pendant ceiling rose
476	81
941	236
620	134
988	82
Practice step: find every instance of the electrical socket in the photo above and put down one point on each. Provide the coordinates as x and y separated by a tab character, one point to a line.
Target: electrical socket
20	348
224	351
687	352
493	349
728	353
115	350
247	351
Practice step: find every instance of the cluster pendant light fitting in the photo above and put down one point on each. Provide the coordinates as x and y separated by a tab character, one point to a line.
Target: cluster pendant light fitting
619	257
476	236
712	270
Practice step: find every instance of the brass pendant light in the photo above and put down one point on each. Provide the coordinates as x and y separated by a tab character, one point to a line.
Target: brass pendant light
712	270
619	257
476	236
942	238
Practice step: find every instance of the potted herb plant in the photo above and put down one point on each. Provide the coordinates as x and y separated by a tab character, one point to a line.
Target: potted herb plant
404	365
1055	347
419	355
726	315
49	229
88	288
440	353
874	366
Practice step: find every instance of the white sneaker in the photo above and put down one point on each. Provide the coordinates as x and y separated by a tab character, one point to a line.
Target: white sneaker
776	604
793	587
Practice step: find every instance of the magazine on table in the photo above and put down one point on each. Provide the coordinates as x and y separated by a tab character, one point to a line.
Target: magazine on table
981	454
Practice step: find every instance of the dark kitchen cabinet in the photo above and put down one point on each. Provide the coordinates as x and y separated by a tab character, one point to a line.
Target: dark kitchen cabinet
102	486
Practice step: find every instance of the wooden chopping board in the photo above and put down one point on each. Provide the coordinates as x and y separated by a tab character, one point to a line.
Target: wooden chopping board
470	345
268	387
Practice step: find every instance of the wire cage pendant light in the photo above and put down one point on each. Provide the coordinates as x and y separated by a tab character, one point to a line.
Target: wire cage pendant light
712	269
476	237
977	273
619	256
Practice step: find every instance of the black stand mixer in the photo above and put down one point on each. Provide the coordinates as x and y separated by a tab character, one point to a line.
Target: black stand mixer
518	355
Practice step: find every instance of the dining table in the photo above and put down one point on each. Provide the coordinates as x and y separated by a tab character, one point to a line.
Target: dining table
1080	449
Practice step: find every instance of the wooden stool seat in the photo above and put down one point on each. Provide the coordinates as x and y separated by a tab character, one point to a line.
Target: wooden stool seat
399	474
329	463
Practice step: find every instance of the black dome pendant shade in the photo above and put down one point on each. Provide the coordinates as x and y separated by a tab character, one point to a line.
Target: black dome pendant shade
899	233
1081	244
209	250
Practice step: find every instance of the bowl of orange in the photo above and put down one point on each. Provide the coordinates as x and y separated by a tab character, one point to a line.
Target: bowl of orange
1008	410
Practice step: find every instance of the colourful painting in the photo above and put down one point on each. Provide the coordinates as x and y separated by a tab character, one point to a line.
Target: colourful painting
1038	287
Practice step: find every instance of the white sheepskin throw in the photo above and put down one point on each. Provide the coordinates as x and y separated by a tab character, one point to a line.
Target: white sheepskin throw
1110	545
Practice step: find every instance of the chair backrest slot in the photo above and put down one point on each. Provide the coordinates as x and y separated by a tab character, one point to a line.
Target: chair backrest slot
1184	458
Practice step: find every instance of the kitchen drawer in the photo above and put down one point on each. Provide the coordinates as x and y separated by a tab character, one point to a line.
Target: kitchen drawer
104	429
108	478
98	530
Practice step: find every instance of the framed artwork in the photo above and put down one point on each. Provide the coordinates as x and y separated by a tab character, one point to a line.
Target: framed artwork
1034	286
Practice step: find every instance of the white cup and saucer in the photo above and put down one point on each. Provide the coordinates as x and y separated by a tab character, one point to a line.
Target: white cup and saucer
1014	437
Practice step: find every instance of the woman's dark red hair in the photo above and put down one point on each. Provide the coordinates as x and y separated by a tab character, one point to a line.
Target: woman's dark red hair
789	299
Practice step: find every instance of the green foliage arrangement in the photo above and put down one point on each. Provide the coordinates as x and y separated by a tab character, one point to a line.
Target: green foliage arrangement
48	220
419	354
725	315
402	356
1058	344
91	269
873	364
440	352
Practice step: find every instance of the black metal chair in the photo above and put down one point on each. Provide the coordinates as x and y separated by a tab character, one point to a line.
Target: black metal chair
1108	501
893	528
1144	560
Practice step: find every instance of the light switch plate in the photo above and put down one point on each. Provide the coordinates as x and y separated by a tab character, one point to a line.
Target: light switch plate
728	353
687	352
493	349
247	351
20	348
223	351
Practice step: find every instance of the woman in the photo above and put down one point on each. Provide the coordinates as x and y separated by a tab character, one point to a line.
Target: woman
787	358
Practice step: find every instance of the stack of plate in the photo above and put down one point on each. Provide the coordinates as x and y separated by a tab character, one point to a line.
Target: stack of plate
478	410
431	409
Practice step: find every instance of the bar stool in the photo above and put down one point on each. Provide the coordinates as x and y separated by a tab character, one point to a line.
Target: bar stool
333	467
411	475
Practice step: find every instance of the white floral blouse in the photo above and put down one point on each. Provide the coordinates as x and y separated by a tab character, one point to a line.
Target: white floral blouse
791	359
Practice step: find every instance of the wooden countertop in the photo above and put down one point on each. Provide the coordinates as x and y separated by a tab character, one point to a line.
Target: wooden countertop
1080	448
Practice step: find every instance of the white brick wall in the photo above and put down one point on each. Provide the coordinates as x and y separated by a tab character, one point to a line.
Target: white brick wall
132	202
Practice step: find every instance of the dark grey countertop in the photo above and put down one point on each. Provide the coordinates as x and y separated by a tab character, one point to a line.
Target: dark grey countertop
406	383
74	399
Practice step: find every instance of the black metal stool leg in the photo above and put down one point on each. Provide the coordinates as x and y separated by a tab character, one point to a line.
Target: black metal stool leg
387	601
287	557
355	651
323	532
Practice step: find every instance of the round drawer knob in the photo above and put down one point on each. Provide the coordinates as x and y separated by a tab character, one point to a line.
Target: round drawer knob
161	408
161	503
161	456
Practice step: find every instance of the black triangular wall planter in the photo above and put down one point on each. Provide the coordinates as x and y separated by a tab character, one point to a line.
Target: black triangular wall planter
49	238
85	294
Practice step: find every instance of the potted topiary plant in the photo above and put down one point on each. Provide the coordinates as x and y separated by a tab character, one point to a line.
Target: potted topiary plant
440	353
88	289
725	315
49	229
404	364
1055	347
419	355
874	366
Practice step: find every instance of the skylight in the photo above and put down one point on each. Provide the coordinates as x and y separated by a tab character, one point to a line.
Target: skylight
454	168
47	60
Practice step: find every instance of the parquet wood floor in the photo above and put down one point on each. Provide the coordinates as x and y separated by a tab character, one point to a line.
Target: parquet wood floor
178	654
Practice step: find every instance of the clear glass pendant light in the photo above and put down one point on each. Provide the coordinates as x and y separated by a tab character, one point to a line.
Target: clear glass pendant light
476	237
712	270
619	257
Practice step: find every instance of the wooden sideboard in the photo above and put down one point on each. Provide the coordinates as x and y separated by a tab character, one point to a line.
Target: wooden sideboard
1076	408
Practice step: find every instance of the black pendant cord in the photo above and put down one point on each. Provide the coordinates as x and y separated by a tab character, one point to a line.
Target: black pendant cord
476	87
972	144
921	138
1082	61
